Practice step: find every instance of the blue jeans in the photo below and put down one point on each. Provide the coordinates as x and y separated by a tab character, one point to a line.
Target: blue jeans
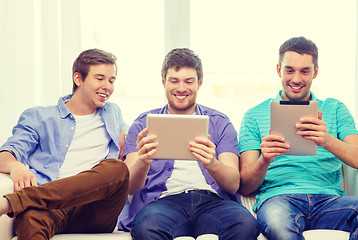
287	216
193	214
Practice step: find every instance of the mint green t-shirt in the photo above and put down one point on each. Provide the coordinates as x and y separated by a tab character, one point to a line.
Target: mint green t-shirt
318	174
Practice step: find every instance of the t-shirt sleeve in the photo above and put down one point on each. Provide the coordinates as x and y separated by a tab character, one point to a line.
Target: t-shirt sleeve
132	135
227	141
249	136
345	122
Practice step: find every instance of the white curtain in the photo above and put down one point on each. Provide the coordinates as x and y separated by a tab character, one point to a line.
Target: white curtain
39	41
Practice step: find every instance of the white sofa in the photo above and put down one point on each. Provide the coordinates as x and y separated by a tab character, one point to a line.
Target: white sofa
350	184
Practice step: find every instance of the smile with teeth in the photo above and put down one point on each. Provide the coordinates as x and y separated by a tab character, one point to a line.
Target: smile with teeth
180	97
102	95
296	87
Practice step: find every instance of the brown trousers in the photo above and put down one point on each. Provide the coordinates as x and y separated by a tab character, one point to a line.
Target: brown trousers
88	202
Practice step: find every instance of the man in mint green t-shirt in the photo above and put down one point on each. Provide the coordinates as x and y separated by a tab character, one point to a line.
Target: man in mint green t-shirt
298	193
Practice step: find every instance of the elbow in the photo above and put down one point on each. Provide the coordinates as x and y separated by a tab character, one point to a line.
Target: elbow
233	190
235	186
244	191
133	189
131	192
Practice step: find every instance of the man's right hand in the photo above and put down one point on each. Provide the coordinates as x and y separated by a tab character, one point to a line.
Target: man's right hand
273	146
21	176
146	146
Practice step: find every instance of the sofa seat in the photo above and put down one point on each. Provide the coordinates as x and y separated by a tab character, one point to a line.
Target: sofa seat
309	235
116	235
6	224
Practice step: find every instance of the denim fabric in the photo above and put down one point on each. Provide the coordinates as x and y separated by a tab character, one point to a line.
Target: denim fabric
287	216
194	214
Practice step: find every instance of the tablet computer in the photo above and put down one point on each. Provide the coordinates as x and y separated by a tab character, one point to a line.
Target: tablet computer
285	115
174	132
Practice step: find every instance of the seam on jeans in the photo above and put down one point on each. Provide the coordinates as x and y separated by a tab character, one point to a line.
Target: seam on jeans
299	227
336	209
309	206
355	234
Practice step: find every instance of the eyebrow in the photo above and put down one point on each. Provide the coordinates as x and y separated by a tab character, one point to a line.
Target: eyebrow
305	68
190	78
102	75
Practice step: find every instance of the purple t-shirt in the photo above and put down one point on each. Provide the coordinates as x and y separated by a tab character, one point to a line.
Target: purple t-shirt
223	135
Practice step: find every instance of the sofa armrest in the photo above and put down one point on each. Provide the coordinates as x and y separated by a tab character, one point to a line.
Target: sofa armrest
350	180
6	223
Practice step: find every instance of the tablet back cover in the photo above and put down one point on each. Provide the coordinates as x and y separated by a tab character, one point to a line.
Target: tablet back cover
285	115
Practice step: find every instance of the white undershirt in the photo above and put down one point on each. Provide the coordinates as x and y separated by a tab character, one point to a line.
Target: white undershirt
186	175
89	146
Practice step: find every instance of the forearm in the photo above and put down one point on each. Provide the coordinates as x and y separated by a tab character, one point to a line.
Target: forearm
345	151
6	160
253	176
226	178
137	175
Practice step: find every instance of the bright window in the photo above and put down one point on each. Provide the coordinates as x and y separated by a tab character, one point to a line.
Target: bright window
134	32
238	42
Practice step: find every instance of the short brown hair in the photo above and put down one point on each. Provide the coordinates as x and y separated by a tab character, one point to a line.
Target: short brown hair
88	58
300	45
182	57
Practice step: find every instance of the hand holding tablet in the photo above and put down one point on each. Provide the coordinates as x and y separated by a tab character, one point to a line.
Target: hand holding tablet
285	115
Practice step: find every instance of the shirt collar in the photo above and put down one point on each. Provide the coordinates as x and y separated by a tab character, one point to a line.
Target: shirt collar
199	110
64	111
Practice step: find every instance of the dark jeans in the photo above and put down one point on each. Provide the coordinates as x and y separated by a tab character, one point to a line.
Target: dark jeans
193	214
88	202
287	216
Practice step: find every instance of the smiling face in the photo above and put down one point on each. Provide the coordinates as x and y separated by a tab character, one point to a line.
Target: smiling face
296	72
181	88
94	91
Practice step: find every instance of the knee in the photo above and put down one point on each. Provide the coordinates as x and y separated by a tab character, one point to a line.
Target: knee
145	226
151	223
247	226
239	222
116	169
146	221
34	224
277	225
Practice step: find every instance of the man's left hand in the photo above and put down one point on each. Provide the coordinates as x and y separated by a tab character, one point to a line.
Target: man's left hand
204	150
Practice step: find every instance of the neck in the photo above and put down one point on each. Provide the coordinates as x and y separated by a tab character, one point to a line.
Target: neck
189	111
78	107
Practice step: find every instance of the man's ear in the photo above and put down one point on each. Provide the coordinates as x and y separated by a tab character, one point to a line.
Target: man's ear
200	83
315	72
163	82
77	79
278	69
